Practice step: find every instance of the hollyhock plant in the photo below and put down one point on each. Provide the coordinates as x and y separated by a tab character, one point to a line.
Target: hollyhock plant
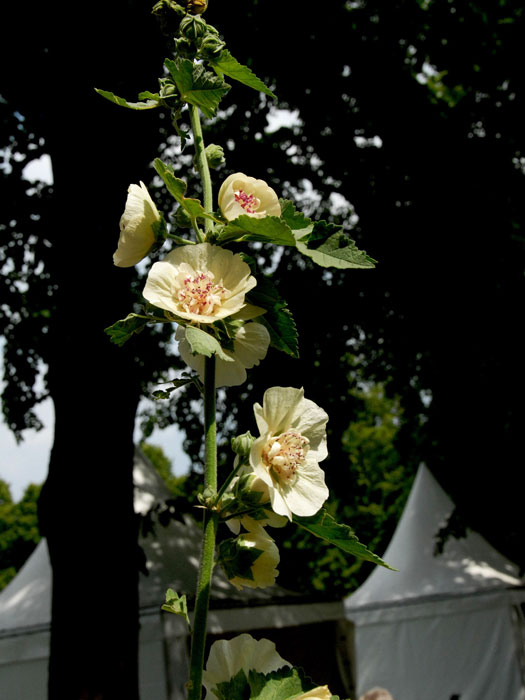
240	194
136	227
199	283
287	454
228	657
250	346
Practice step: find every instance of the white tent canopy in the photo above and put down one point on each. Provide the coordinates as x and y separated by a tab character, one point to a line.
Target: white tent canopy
443	626
172	562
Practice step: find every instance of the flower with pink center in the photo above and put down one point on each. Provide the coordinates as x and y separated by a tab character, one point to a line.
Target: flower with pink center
240	194
199	283
287	454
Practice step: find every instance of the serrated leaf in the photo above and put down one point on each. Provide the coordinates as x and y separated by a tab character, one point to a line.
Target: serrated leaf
328	246
324	526
122	330
278	319
177	383
203	343
148	104
300	224
196	85
234	689
177	187
176	604
270	229
279	685
228	65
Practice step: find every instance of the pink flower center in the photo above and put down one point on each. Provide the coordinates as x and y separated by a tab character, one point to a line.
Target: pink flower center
285	454
248	202
199	295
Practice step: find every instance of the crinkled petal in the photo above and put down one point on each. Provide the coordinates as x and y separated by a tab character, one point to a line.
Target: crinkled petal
228	657
309	491
167	278
136	227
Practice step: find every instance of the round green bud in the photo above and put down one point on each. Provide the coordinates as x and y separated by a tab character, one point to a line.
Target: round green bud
242	444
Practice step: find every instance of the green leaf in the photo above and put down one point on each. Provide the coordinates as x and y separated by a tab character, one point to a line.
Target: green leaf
328	246
237	560
177	188
122	330
278	319
323	525
271	229
278	685
203	343
176	604
150	103
176	384
300	224
196	85
228	65
234	689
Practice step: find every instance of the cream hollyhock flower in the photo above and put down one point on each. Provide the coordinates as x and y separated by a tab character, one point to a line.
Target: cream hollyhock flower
287	454
263	568
249	348
228	657
136	227
241	194
319	693
200	283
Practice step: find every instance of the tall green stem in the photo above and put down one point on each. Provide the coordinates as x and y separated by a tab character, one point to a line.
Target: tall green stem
202	163
208	541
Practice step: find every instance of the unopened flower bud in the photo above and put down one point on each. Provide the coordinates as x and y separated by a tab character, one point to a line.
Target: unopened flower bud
242	444
214	155
211	46
193	27
196	7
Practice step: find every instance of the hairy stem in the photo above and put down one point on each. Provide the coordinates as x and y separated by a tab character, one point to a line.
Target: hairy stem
202	163
208	541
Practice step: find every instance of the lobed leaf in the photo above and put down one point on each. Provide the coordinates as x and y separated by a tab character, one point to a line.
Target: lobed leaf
122	330
203	343
196	85
323	525
176	604
150	103
228	65
328	246
278	319
270	229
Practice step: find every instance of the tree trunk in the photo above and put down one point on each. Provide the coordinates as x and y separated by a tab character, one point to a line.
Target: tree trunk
97	150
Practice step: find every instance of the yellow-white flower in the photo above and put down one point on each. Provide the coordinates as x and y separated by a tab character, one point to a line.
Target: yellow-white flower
228	656
240	194
319	693
136	227
287	454
263	568
249	348
200	283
